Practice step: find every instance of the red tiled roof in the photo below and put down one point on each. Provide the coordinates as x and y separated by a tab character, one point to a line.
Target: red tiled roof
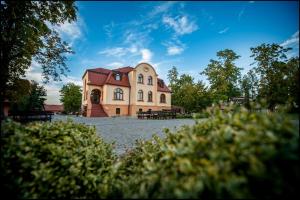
100	70
123	82
54	108
164	88
101	76
96	78
125	69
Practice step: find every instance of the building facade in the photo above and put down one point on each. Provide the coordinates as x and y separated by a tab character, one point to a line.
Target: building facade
123	91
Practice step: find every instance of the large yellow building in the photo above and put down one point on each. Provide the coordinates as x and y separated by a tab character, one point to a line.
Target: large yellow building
123	91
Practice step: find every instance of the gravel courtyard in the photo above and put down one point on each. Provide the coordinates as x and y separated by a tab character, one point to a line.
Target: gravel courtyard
126	130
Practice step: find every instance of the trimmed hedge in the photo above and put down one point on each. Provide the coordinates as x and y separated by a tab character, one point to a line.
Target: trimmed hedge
233	154
54	160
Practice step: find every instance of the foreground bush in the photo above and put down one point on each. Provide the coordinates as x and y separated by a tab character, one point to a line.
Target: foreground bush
54	160
233	154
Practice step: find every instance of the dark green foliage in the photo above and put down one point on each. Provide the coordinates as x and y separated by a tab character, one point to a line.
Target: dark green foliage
32	101
184	116
26	30
54	160
223	75
27	34
71	97
279	77
231	155
187	93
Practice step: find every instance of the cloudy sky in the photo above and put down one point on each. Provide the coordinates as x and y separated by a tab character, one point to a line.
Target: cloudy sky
165	34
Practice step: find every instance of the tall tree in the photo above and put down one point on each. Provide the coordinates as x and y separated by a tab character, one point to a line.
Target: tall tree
293	83
32	101
273	70
71	97
223	75
27	32
186	93
249	87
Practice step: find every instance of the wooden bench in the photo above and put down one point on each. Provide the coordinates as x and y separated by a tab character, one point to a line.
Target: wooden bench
25	117
163	114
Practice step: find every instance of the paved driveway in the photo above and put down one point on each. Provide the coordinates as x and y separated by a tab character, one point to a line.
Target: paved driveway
126	130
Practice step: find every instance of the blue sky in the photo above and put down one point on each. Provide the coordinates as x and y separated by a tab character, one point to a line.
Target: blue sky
165	34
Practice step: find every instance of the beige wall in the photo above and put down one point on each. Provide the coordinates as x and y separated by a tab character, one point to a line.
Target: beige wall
84	88
108	92
168	99
111	109
145	87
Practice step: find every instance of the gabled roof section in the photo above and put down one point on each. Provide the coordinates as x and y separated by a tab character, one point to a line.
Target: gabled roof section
95	78
101	76
112	81
164	88
124	69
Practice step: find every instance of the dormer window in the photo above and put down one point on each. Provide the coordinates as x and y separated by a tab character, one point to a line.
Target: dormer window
118	77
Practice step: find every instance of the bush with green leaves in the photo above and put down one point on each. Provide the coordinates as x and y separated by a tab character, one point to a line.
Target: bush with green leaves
54	160
233	154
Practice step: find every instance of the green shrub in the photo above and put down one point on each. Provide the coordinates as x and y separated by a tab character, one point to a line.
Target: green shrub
200	115
54	160
233	154
183	116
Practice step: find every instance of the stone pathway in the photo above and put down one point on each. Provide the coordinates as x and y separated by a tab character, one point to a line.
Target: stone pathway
124	131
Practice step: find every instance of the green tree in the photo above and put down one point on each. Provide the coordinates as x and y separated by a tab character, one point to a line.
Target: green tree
223	75
293	83
173	76
71	97
27	33
249	87
18	90
186	93
276	76
32	101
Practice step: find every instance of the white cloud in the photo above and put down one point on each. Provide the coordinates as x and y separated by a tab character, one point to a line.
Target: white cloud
181	25
292	41
116	51
70	31
146	55
162	8
35	73
109	29
224	30
175	50
114	65
120	51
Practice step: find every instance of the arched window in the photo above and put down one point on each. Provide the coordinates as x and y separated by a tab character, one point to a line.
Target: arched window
95	96
150	80
140	78
149	96
117	77
140	95
118	94
162	98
